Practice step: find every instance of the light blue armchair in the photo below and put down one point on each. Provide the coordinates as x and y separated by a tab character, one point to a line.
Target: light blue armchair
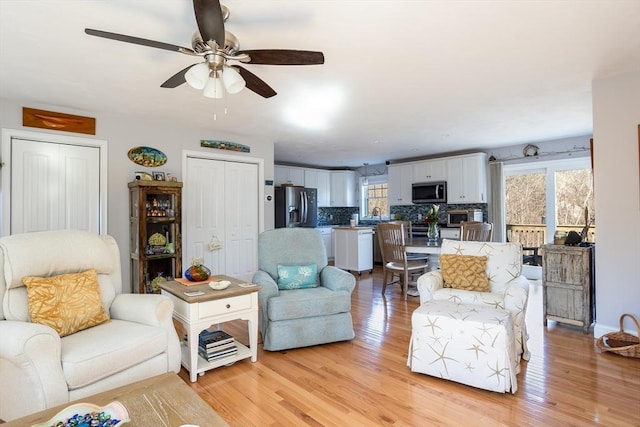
291	318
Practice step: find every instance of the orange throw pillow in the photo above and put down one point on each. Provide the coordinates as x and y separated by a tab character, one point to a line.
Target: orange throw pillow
465	272
67	303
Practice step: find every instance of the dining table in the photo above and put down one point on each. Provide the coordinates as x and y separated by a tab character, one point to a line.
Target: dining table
421	245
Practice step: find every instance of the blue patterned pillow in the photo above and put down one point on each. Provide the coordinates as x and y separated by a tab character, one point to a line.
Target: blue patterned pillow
297	276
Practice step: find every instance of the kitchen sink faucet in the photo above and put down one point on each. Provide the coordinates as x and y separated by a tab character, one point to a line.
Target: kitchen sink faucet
376	212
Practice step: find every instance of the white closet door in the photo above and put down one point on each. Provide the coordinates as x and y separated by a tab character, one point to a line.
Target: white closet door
221	203
203	213
241	210
54	186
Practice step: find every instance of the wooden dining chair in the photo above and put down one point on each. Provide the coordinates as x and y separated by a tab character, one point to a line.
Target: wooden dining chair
407	226
394	257
409	234
476	231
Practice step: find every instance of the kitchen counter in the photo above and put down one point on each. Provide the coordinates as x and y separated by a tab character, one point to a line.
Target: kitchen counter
354	248
359	227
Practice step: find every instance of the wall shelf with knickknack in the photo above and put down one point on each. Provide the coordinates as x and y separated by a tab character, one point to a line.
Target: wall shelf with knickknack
155	233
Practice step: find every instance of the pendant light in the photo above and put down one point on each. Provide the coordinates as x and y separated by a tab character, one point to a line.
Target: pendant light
365	179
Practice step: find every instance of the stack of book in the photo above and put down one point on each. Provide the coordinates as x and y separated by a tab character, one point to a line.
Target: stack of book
214	345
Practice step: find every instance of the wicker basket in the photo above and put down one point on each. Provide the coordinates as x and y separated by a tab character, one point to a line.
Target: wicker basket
622	343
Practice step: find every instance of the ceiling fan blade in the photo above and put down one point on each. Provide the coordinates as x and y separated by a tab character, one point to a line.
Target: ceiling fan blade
255	83
138	40
210	20
177	79
284	57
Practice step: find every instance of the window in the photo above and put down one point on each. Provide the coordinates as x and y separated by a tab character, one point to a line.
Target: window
374	203
544	197
526	198
574	193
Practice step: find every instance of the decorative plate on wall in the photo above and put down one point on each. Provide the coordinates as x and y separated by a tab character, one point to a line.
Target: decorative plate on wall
147	156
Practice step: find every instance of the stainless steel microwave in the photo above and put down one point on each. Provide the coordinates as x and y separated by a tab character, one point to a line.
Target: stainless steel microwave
429	192
455	217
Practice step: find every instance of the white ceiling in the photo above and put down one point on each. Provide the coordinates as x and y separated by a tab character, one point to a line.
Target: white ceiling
401	78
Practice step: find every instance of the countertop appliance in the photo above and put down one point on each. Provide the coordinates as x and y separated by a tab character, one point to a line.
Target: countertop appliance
296	207
456	216
353	248
429	192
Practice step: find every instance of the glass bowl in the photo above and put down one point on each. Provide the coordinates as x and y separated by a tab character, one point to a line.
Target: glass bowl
113	414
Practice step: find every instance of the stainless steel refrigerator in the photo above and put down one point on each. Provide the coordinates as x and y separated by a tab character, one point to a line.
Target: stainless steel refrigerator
296	207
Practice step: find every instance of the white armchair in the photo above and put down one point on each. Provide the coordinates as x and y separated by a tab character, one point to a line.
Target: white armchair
508	289
38	368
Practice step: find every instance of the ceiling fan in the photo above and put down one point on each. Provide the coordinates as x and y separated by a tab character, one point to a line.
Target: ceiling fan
218	47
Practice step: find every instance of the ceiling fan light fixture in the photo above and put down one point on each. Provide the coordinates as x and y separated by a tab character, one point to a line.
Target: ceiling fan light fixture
232	80
197	75
214	87
217	46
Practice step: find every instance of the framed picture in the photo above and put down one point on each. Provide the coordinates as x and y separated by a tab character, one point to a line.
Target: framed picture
158	176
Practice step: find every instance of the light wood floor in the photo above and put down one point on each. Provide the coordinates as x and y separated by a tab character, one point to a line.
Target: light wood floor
366	382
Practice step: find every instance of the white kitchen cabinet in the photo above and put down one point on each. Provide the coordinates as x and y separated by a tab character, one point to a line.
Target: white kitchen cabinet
320	179
288	175
343	189
399	185
354	248
430	170
327	237
467	179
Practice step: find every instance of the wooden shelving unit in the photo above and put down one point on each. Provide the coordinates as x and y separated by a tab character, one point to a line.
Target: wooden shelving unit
155	207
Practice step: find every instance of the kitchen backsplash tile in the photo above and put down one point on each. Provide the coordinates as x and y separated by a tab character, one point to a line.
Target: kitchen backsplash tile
341	216
335	216
411	212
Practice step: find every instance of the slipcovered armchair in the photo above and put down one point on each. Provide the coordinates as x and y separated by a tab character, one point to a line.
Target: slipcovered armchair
301	317
508	288
44	362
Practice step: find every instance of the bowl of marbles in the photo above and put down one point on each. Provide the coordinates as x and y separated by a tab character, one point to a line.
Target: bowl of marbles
80	414
218	286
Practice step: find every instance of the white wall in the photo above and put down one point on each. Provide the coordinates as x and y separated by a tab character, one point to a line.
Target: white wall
616	116
122	133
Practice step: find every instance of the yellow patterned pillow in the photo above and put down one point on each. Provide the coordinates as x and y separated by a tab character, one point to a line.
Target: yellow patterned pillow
465	272
68	303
